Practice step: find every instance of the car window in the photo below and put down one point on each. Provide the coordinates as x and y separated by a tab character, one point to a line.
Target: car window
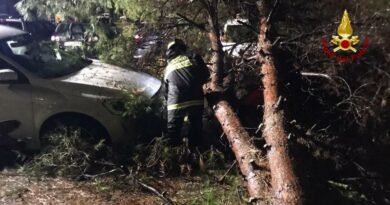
49	26
62	28
43	58
39	29
77	29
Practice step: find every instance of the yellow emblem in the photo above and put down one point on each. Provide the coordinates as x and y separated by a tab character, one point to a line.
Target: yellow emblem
344	41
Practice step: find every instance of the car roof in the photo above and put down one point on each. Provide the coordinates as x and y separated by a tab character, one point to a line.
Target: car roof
9	32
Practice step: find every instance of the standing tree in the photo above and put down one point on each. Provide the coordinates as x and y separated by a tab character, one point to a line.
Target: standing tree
284	181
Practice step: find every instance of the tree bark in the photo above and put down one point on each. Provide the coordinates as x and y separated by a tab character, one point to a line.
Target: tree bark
287	190
216	47
247	154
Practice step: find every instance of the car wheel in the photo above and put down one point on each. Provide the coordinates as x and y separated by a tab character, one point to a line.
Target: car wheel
88	129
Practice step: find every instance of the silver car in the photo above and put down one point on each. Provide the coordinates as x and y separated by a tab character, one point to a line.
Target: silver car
41	86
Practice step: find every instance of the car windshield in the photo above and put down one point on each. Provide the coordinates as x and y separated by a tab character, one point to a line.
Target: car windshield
62	28
239	34
39	29
42	58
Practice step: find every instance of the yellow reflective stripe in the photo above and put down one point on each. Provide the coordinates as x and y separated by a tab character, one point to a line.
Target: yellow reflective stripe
176	64
181	59
185	104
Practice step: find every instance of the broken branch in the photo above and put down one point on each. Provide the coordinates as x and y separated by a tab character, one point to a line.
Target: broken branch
321	75
227	172
155	191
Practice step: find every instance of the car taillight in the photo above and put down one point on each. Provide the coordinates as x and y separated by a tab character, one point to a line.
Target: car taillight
138	39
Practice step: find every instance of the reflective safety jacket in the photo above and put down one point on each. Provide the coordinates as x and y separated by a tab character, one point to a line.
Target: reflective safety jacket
184	77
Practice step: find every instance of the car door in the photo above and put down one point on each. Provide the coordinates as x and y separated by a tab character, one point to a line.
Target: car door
15	101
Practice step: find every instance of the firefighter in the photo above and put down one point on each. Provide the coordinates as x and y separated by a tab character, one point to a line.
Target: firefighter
184	77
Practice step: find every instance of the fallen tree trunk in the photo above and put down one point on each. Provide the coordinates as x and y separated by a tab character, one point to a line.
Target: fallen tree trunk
287	190
247	154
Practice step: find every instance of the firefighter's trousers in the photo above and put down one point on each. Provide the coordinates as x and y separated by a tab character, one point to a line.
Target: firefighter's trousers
175	124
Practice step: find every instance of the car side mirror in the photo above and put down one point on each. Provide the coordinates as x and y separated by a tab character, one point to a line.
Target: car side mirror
8	75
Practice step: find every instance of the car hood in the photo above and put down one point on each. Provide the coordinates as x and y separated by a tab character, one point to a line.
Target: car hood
107	76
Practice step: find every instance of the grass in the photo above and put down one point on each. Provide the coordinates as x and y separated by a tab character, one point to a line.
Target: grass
211	193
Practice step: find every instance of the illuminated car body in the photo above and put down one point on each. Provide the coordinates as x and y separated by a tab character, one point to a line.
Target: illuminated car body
86	92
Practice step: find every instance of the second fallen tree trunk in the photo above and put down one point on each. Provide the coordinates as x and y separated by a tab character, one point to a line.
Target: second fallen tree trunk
287	190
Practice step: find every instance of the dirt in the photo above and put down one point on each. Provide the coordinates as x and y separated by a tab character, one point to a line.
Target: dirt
18	189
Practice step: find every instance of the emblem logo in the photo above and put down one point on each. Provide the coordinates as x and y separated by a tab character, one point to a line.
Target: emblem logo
345	32
345	41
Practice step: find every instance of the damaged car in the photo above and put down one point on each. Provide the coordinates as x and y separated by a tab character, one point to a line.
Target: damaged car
42	87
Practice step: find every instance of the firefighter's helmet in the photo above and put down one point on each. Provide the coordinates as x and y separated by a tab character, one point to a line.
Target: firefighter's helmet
177	43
